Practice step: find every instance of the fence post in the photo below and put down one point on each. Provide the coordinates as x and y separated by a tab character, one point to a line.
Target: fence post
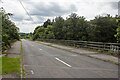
104	46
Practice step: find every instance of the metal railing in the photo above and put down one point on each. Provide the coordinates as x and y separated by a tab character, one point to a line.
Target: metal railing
87	44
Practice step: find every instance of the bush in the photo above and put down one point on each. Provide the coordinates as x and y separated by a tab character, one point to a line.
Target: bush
111	52
100	51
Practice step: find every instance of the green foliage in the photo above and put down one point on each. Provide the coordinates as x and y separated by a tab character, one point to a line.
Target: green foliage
117	35
0	65
57	27
100	29
25	35
48	22
49	33
43	33
100	51
9	30
110	52
103	29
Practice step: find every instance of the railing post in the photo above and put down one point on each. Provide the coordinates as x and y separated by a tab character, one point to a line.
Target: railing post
104	46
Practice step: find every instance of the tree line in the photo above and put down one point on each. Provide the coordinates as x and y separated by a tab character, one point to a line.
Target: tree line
74	27
9	29
25	35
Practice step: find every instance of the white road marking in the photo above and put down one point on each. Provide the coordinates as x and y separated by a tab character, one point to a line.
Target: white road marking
40	49
32	72
63	62
32	45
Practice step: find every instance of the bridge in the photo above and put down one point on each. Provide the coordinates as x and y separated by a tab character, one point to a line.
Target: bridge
49	60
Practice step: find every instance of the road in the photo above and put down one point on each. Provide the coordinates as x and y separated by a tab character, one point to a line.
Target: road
41	61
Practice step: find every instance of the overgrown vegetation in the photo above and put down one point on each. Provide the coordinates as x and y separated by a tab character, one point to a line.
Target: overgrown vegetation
0	52
25	35
10	65
0	65
100	29
118	30
9	30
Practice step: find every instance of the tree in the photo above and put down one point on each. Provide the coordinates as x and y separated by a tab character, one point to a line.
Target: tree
117	35
103	29
57	27
9	30
46	23
49	32
39	33
100	29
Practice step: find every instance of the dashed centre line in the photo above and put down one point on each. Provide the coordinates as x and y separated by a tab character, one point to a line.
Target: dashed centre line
63	62
32	72
32	45
40	49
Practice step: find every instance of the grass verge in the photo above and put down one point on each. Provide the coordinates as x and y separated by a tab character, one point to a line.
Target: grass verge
0	65
0	52
10	65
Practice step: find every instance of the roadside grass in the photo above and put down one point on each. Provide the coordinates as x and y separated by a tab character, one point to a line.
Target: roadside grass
10	65
0	52
0	65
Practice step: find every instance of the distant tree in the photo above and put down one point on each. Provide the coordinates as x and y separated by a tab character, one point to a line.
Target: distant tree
46	23
103	29
57	27
49	32
40	33
81	29
100	29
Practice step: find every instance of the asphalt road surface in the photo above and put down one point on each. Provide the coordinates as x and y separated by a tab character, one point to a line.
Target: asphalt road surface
41	61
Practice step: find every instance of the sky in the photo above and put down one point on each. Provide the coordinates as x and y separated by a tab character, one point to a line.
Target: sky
41	10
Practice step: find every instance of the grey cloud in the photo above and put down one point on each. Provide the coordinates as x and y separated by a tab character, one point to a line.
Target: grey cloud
53	9
28	19
104	14
17	18
38	20
20	18
114	5
40	10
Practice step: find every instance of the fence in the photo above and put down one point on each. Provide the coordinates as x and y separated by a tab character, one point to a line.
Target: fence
87	44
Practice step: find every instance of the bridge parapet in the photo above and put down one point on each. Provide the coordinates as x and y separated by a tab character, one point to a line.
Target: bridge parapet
87	44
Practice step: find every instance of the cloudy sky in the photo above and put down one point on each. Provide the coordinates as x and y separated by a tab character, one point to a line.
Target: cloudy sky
41	10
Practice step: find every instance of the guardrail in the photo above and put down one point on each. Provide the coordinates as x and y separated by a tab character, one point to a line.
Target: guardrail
87	44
